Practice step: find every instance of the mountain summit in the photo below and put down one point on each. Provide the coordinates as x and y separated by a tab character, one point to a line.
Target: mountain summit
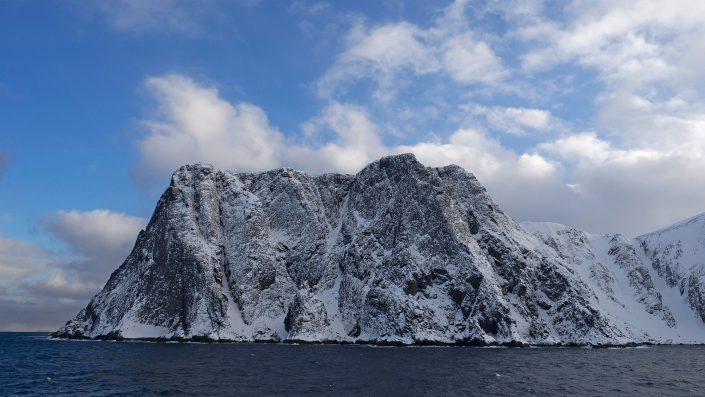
398	253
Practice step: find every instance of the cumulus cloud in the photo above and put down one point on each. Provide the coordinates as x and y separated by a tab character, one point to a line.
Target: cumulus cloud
514	120
22	266
647	55
580	179
23	263
356	141
468	60
381	53
193	123
634	66
100	239
484	156
639	193
641	164
578	147
387	52
615	36
519	182
196	125
629	190
342	138
40	288
19	259
34	315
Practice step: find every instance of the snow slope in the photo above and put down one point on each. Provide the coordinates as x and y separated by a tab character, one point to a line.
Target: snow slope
677	254
625	282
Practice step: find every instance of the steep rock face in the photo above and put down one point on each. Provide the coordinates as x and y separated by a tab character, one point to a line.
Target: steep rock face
628	289
397	253
624	255
677	253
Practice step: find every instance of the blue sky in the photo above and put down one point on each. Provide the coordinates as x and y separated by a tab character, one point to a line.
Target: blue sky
72	88
584	113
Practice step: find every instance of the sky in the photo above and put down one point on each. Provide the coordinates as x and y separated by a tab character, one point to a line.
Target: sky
586	113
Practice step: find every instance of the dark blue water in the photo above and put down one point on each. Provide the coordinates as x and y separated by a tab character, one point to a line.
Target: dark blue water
32	364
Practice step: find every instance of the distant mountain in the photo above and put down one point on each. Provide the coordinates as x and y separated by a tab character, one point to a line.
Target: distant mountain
398	253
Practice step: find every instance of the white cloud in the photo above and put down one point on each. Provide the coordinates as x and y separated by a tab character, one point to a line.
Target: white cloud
579	147
194	123
638	171
356	142
343	138
390	47
98	242
388	52
629	190
97	233
41	288
381	53
647	55
22	308
644	106
20	259
649	117
608	34
515	120
478	153
574	178
519	182
470	61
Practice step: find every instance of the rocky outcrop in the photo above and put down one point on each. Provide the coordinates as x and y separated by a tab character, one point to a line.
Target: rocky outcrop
398	253
677	253
625	256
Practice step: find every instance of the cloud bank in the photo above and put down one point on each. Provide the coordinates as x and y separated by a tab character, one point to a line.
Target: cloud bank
195	124
42	287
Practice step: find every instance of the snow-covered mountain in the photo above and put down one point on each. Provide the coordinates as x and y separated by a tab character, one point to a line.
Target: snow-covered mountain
628	286
677	254
398	253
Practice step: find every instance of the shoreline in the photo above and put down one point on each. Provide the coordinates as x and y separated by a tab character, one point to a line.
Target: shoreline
423	343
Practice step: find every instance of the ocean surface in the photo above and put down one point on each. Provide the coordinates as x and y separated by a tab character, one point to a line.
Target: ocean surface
33	364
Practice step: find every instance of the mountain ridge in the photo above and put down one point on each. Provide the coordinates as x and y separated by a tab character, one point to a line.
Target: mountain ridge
398	253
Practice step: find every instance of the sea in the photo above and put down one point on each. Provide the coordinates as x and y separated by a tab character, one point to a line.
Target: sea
33	364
